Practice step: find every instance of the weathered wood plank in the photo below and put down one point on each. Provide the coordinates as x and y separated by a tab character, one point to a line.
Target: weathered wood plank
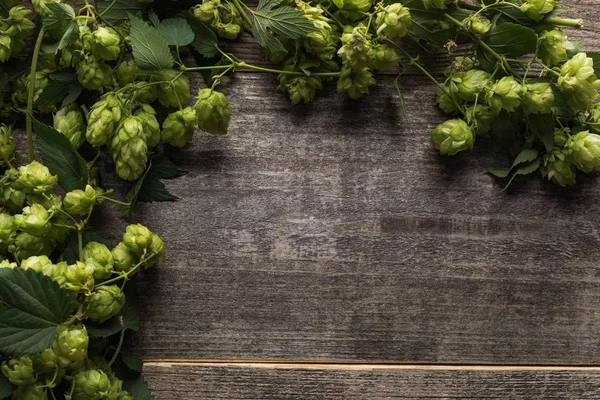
254	381
335	231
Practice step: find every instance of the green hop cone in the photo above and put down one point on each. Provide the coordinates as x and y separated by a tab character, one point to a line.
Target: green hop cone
553	47
356	49
481	118
444	99
461	64
7	145
103	119
7	264
41	6
557	168
355	83
80	202
585	151
124	259
19	371
93	74
299	88
393	21
178	127
472	83
8	231
27	245
594	118
478	25
579	82
171	94
5	47
106	44
45	363
79	276
505	94
92	384
70	345
537	98
69	122
36	178
156	250
35	220
98	255
353	9
151	126
452	137
129	149
144	93
105	302
19	22
138	239
383	58
30	392
207	12
212	112
125	72
38	263
21	88
536	9
227	30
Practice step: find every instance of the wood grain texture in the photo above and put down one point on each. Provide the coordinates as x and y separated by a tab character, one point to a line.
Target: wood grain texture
307	383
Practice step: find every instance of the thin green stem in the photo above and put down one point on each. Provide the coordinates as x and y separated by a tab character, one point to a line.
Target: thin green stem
243	14
115	201
108	8
191	69
567	22
80	242
30	97
118	350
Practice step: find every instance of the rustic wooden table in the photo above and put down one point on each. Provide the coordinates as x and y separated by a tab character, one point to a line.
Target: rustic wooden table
328	252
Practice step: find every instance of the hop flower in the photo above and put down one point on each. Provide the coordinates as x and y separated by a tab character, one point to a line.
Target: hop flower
36	178
557	168
585	151
105	303
80	202
383	58
98	255
171	94
45	362
106	44
18	23
505	94
594	118
125	72
21	87
79	276
129	149
151	126
212	111
393	21
478	25
355	83
299	87
138	239
38	263
178	127
480	117
353	9
579	82
554	46
69	122
460	64
7	144
27	245
227	31
41	6
444	100
103	119
124	258
207	12
144	93
70	345
92	73
8	231
157	249
19	371
7	264
356	49
5	47
537	98
452	137
472	83
92	384
535	9
30	392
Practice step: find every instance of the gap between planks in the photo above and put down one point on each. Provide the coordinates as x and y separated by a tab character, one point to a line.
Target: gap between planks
350	366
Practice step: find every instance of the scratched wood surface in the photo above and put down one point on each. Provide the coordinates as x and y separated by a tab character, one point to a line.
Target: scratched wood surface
333	233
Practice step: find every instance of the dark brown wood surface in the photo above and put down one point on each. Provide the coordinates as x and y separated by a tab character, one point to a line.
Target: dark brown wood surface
334	233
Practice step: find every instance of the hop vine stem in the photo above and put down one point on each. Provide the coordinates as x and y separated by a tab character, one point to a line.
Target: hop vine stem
30	95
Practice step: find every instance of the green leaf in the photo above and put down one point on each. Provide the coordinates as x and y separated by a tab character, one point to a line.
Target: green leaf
205	41
177	31
153	18
561	105
6	388
596	57
34	307
71	252
5	6
149	187
285	22
63	89
119	10
138	389
525	156
543	126
508	39
524	170
150	49
499	173
134	363
61	158
504	132
58	22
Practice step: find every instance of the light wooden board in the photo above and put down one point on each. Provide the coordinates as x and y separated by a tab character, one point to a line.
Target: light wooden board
251	381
